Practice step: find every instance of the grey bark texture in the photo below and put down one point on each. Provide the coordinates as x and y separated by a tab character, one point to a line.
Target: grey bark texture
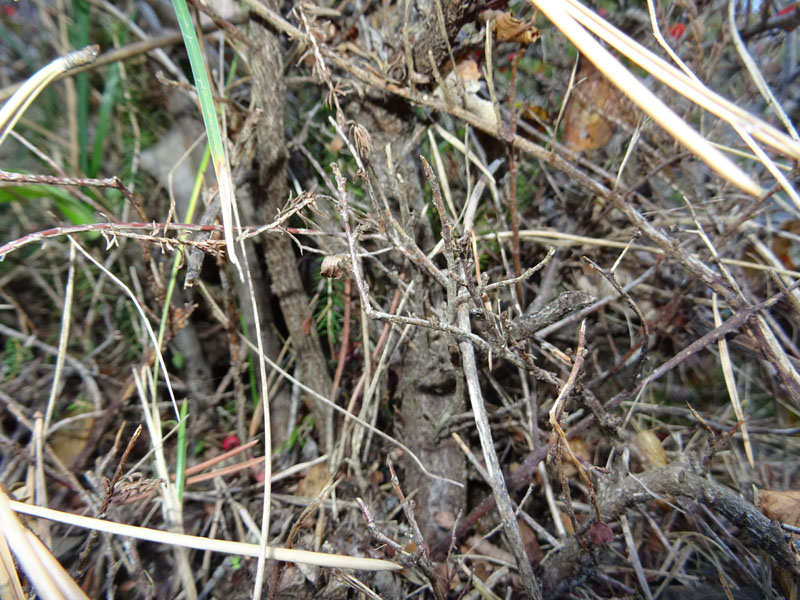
271	154
430	386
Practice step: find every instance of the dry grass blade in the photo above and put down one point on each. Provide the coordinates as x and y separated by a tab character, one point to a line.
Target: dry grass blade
10	588
48	577
730	382
755	73
16	106
682	83
63	339
201	543
646	100
171	506
633	556
145	321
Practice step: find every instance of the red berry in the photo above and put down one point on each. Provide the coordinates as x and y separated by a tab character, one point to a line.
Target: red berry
230	442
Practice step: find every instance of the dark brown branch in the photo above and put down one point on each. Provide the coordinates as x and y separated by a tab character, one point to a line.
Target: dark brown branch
681	479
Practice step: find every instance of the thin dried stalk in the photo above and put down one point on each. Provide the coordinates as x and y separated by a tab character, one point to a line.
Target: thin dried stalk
201	543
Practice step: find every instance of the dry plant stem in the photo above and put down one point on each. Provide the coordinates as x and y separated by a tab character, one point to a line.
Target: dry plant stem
218	459
651	9
484	288
787	22
171	508
730	383
681	83
63	339
378	535
158	53
16	106
110	182
499	490
758	328
568	238
420	554
222	23
363	290
774	354
130	51
682	479
381	355
448	238
39	486
527	326
59	473
737	321
46	575
345	346
151	334
251	463
110	485
272	155
512	181
707	99
238	467
9	577
633	557
112	230
262	371
523	474
58	169
312	506
70	92
645	342
201	543
558	408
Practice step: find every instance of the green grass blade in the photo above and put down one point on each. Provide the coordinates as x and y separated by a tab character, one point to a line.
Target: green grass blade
80	38
77	212
104	119
203	86
180	456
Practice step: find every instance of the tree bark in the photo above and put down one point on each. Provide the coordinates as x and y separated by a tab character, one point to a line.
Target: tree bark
266	63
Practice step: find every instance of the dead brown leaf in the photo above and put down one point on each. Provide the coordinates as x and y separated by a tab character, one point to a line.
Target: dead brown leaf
69	441
314	481
509	29
781	506
529	541
595	107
